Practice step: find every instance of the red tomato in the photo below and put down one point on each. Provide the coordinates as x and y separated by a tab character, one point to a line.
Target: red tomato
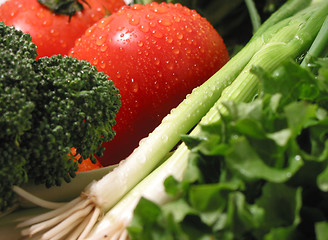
155	54
86	164
54	33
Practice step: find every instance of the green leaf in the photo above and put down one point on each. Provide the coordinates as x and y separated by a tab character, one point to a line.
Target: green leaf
244	160
286	233
282	205
281	137
250	127
304	112
174	187
301	82
318	141
211	196
322	179
242	217
321	230
145	213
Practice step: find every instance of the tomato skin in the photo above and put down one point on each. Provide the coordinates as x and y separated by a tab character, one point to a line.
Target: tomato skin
86	164
54	33
155	54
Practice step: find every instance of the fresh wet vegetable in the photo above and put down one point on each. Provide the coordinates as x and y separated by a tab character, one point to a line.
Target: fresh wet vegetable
155	54
288	38
259	172
287	34
48	106
55	25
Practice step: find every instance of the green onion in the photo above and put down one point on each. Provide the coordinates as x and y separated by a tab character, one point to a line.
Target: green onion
255	17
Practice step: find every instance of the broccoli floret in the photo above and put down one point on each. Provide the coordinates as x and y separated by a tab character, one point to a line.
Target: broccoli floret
48	106
75	107
17	55
16	42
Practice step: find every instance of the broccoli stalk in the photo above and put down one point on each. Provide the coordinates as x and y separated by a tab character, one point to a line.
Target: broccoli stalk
48	106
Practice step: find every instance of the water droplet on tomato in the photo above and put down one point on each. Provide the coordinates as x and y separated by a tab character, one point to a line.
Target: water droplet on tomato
118	75
195	15
165	22
156	85
103	48
160	9
152	24
104	22
157	34
177	19
157	61
129	15
188	29
54	33
134	21
137	7
95	61
93	36
134	86
102	64
188	50
100	40
169	39
144	28
179	36
150	16
169	65
140	43
175	50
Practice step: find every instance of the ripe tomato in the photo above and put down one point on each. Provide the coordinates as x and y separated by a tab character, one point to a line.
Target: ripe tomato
86	164
54	33
155	54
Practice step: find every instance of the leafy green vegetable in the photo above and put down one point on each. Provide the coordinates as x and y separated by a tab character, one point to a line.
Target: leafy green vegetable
270	160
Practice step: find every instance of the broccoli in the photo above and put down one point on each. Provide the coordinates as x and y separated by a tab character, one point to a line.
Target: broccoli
48	106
